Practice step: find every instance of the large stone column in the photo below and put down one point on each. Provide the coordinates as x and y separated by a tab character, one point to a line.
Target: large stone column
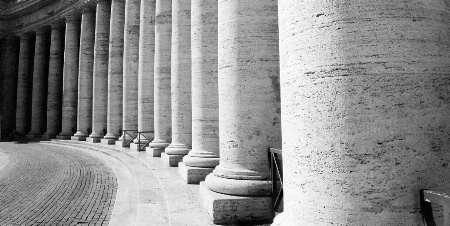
204	155
365	106
163	36
86	67
8	62
70	74
115	71
55	79
130	67
180	83
39	92
23	84
145	72
100	76
249	103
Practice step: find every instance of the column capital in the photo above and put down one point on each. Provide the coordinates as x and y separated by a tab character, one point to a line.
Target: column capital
56	25
71	17
24	35
87	9
40	31
99	1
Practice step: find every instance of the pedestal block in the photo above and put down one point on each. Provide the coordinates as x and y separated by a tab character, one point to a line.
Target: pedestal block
108	141
171	160
93	139
228	209
136	146
63	137
78	138
154	152
193	175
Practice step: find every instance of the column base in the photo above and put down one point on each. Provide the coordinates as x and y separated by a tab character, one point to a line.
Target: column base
47	137
193	175
93	139
155	152
226	209
31	136
78	138
63	137
119	143
135	147
171	160
280	220
108	141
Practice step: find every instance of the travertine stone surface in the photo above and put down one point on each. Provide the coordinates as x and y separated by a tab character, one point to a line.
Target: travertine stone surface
55	79
131	65
85	74
100	71
115	69
249	98
192	174
8	61
205	99
181	79
146	68
23	84
365	102
70	79
163	36
39	93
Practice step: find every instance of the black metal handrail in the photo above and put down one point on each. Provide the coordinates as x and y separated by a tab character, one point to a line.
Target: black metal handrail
130	132
426	198
141	133
276	169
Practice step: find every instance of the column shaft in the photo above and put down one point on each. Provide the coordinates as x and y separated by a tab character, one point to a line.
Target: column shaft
115	70
364	110
39	93
70	74
163	36
23	85
100	77
8	61
55	78
146	67
181	79
131	65
87	40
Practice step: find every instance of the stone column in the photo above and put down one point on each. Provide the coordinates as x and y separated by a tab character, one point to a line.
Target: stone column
249	103
39	92
23	84
115	71
86	67
8	70
55	78
163	36
364	110
180	83
145	72
70	80
100	76
130	68
204	155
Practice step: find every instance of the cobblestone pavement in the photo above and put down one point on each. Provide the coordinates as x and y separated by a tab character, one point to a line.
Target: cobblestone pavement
45	185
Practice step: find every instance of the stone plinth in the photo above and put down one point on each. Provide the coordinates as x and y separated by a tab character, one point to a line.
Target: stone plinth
23	84
78	138
55	73
100	77
70	74
115	69
108	141
193	175
93	139
63	137
136	146
162	112
154	152
86	66
228	209
171	160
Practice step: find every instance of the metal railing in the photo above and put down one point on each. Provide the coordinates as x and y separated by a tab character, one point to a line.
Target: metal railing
131	133
276	174
426	198
141	133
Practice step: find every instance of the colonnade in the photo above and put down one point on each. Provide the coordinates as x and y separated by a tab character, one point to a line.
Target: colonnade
362	96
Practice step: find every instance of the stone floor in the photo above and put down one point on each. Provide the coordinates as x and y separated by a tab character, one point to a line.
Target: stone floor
80	183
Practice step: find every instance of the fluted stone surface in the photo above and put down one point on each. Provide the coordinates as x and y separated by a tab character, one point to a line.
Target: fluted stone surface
8	73
70	80
163	36
205	99
115	69
86	65
146	67
131	65
23	84
55	79
249	99
39	90
181	79
365	102
100	70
